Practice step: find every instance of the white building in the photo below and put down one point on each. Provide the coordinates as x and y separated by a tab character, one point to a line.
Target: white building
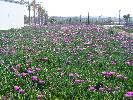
11	14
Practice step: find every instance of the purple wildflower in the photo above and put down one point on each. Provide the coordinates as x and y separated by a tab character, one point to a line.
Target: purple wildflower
129	94
24	74
21	91
16	88
38	69
91	88
109	89
34	78
113	62
19	75
29	69
18	66
101	89
41	82
15	70
107	74
29	72
131	40
112	73
119	76
127	62
78	81
43	59
39	97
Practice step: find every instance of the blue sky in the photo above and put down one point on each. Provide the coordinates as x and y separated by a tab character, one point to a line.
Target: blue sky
81	7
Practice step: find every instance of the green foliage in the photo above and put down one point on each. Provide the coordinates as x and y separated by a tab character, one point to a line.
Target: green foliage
111	31
69	49
52	20
126	28
127	18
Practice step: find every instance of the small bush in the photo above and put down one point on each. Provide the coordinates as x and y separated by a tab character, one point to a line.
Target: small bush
111	31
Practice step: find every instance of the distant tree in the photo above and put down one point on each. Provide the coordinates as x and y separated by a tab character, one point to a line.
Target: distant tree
46	18
34	6
70	20
75	20
26	19
27	4
127	18
29	9
109	21
41	13
52	20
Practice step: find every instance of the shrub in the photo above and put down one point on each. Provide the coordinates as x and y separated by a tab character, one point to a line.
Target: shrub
110	31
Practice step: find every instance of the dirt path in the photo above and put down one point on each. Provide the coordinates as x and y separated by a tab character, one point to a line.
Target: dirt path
126	33
120	31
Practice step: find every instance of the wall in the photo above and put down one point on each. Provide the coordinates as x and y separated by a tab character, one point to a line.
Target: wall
11	15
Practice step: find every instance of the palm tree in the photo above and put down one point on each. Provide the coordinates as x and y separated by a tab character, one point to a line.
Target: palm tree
46	17
33	5
27	4
29	8
38	12
41	13
39	9
127	18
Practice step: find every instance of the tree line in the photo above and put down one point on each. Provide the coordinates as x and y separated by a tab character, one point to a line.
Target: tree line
40	15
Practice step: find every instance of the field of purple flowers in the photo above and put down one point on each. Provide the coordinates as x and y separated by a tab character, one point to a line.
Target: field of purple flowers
65	62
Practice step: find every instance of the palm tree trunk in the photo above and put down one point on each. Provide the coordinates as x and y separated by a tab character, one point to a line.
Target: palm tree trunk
46	18
38	18
41	19
34	13
29	14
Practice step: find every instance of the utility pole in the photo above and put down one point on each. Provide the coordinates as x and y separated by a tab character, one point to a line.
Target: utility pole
88	21
101	20
119	16
80	18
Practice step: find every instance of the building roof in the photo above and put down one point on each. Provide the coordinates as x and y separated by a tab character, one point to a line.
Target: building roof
12	1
